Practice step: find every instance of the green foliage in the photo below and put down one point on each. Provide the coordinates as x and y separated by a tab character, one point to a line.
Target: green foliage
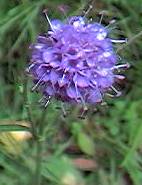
84	141
7	128
61	171
111	137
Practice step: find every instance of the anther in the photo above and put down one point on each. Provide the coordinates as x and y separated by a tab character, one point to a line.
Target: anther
102	13
113	21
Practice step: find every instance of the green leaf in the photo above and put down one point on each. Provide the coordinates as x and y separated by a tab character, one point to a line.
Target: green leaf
86	144
60	170
8	128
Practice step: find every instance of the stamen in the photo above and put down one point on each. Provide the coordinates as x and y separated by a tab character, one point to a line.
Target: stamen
77	93
121	66
38	83
102	13
113	21
63	110
110	95
86	12
29	68
118	93
41	99
84	112
119	41
47	102
62	78
48	20
64	74
120	77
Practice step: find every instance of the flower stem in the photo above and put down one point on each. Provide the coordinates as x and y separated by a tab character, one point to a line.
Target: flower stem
39	152
37	176
28	107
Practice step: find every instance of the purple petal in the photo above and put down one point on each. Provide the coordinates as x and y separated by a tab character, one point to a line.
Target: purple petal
47	56
56	24
54	63
71	92
54	76
94	96
81	81
50	91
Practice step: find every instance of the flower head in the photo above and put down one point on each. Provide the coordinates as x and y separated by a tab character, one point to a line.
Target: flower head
75	61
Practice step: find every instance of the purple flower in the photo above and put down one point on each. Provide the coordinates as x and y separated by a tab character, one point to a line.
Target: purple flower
75	62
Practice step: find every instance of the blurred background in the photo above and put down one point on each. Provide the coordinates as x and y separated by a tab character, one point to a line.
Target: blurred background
105	148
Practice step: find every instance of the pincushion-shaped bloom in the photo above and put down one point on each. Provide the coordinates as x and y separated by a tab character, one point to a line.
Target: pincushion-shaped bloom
75	61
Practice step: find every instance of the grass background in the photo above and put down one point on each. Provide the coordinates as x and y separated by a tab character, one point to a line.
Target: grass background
103	149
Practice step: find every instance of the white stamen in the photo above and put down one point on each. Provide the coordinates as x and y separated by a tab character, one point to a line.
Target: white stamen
63	110
37	84
119	41
84	105
113	21
85	13
121	66
102	13
77	93
48	20
120	77
31	66
48	100
41	99
118	93
110	95
61	81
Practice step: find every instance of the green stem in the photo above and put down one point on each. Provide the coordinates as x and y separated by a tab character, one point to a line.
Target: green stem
37	177
38	134
28	108
39	152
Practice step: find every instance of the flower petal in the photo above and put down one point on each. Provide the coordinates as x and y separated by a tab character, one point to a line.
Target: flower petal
94	96
81	81
71	92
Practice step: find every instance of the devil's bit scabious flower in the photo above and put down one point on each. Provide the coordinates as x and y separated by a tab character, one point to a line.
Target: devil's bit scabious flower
75	61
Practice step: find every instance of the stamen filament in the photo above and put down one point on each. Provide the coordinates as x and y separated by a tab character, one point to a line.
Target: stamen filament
38	83
120	77
48	100
121	66
119	41
48	20
118	93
